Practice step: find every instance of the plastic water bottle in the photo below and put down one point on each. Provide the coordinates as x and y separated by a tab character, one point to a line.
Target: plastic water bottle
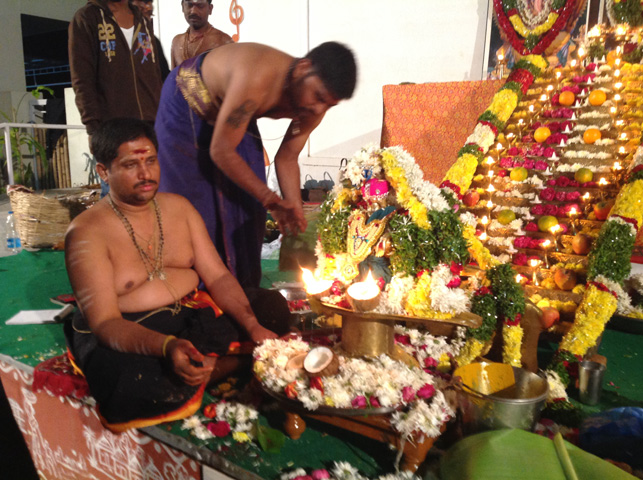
14	245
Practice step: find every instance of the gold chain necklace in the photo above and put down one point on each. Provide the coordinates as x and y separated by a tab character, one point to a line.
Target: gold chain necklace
153	266
186	43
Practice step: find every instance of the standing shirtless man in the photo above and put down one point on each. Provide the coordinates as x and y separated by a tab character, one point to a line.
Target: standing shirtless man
200	36
146	343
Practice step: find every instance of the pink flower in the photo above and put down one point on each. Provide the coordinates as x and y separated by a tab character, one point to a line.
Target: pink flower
506	162
564	228
455	268
502	173
359	402
427	391
403	339
538	209
590	67
455	282
531	227
522	242
518	161
430	362
572	196
560	196
520	259
551	209
562	181
320	474
534	243
541	165
408	394
303	477
547	194
529	163
374	401
548	152
514	151
219	429
573	183
551	182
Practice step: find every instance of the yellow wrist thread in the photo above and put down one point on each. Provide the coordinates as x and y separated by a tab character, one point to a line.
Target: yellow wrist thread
167	340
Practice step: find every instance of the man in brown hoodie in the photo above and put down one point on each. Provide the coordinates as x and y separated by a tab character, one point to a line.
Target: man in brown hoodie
114	63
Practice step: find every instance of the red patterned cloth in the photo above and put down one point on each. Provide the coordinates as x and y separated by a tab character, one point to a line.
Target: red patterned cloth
57	377
432	120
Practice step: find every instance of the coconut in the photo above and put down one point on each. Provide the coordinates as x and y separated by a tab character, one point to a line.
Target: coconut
296	362
321	362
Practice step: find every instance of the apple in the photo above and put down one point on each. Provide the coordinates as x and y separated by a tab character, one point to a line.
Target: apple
582	244
565	279
549	317
471	198
602	209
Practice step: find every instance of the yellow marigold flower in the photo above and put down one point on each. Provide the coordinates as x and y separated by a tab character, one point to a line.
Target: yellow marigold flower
629	202
241	437
444	363
537	60
478	251
569	307
579	289
524	32
512	339
471	350
259	368
503	104
543	303
548	283
462	171
592	314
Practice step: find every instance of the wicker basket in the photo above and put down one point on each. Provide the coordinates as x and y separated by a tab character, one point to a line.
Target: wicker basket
42	219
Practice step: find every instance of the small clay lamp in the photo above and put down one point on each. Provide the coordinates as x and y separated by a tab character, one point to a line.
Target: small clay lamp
364	296
316	288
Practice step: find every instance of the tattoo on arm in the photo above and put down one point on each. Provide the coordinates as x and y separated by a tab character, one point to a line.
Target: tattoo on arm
241	114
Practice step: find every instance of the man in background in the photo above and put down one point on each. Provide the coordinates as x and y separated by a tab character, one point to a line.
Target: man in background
200	35
147	8
114	63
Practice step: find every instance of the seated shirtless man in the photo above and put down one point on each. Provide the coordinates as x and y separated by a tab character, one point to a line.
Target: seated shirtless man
145	341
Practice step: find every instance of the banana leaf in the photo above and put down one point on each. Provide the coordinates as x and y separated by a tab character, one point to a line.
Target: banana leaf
512	454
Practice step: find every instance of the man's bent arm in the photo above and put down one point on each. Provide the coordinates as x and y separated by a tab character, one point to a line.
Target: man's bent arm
220	283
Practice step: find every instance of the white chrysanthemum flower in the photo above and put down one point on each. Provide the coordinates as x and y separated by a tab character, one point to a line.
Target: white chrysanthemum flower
556	387
191	423
468	218
202	433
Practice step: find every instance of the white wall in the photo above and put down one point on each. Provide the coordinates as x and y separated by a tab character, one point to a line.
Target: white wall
394	41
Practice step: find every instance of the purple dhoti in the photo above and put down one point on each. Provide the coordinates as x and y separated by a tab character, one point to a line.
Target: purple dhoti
234	219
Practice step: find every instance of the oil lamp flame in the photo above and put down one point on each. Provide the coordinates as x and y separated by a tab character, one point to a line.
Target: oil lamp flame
313	285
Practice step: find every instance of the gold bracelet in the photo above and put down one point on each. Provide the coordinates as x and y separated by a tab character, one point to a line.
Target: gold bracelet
167	340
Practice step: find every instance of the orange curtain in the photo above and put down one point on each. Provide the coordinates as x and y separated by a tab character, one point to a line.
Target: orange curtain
432	120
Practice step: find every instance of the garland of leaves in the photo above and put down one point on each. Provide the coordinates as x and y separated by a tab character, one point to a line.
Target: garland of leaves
625	11
332	227
418	248
611	254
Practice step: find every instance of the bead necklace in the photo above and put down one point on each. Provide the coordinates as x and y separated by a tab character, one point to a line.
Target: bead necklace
153	266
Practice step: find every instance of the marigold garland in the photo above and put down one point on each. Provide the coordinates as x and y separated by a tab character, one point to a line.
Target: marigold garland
591	316
502	106
523	31
472	349
478	251
418	300
512	341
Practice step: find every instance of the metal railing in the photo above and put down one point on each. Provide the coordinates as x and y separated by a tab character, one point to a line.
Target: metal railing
7	139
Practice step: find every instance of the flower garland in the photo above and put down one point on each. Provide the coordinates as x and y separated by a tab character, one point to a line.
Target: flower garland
609	265
363	383
625	11
538	39
503	104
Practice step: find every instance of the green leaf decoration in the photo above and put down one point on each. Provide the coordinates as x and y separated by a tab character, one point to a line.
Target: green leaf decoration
270	439
610	256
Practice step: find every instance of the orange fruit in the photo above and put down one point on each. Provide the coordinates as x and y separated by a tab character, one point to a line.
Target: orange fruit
583	175
567	98
597	97
546	222
611	56
505	217
541	134
519	174
591	135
